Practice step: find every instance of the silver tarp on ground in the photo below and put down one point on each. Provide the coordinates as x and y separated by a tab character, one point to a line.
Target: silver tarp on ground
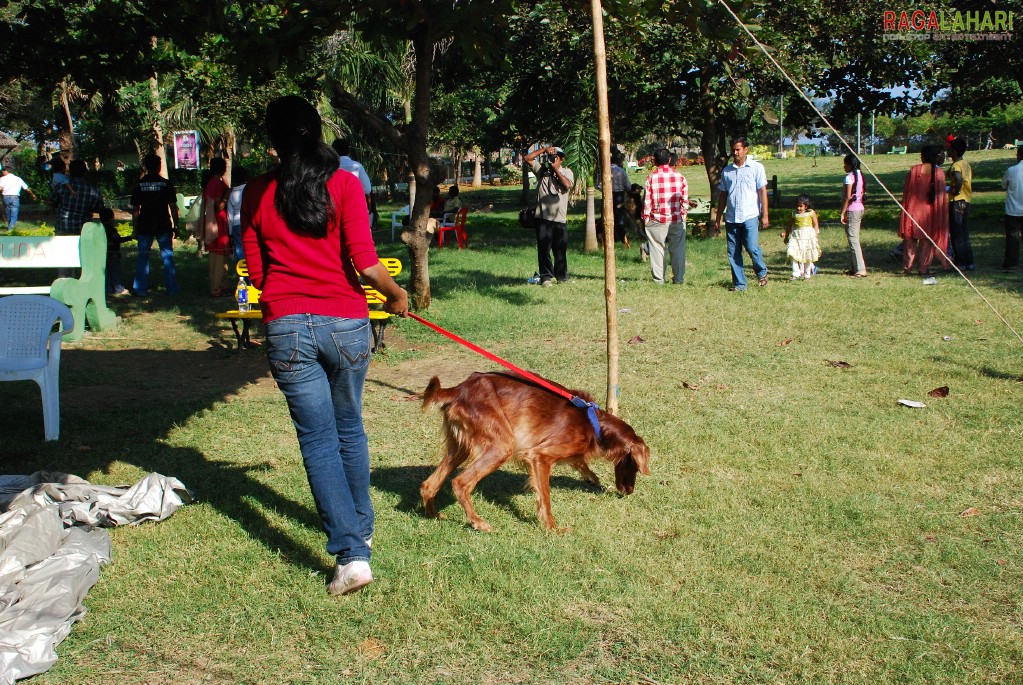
50	552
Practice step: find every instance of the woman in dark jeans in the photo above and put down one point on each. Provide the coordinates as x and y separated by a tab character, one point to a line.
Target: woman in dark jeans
306	231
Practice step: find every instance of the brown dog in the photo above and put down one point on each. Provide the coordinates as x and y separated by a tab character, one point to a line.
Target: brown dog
490	417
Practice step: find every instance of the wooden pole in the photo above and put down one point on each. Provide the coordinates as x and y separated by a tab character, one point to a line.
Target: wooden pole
610	275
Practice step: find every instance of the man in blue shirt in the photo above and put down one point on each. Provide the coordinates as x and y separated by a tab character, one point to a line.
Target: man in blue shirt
742	200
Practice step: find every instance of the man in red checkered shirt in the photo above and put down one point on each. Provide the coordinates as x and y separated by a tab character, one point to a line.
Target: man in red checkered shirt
664	211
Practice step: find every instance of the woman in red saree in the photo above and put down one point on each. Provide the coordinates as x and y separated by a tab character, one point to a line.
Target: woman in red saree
215	233
925	199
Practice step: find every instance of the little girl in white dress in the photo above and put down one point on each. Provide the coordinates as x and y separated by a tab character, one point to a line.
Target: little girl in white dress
801	237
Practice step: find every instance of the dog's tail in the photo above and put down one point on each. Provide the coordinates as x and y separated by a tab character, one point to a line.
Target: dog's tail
435	396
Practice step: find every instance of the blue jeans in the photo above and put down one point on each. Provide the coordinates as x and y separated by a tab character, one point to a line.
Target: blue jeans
166	243
236	242
320	364
739	236
12	203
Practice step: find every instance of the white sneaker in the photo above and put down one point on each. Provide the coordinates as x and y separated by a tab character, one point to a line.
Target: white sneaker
352	576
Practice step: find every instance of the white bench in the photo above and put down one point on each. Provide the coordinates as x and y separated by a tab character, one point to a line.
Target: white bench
85	295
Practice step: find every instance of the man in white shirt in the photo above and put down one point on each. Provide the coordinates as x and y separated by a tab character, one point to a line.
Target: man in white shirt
342	148
11	187
743	190
1012	184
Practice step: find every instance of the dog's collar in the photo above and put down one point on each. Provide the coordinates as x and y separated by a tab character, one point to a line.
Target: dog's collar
591	413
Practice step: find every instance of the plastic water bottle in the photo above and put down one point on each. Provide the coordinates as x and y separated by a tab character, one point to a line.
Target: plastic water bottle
242	293
534	279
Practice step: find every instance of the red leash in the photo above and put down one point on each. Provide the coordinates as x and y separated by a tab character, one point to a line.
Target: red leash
590	407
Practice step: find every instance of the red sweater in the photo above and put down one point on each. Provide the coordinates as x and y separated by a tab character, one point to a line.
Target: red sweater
299	274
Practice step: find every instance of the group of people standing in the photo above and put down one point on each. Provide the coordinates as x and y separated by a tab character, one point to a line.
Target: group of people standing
934	223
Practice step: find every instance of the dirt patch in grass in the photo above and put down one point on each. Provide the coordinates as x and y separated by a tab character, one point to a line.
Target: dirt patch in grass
452	364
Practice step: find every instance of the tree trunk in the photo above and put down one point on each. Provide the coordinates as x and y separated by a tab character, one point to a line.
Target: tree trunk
230	142
712	144
156	131
414	142
590	240
415	237
477	171
65	127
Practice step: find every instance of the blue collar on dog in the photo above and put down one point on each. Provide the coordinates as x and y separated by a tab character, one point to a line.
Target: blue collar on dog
591	413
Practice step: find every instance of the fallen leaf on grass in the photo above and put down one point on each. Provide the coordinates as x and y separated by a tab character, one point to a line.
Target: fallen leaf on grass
372	648
1000	562
986	541
636	339
694	328
689	386
722	386
972	511
414	397
839	364
783	343
939	392
931	537
912	403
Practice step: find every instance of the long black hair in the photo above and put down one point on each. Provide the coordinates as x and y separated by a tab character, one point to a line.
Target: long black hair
854	163
932	154
306	165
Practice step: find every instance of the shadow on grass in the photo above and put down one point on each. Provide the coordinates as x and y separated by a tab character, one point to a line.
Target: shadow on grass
498	488
1001	375
120	406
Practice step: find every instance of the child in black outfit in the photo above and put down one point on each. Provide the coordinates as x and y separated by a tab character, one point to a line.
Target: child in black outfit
114	240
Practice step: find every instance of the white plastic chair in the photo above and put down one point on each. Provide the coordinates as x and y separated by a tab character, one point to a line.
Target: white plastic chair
396	219
30	348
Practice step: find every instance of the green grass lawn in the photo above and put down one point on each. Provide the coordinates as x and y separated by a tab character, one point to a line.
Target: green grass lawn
799	526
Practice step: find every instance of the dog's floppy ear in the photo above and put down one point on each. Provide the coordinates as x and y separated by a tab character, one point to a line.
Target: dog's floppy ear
640	454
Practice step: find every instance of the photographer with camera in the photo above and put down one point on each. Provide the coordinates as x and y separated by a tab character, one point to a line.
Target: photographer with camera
554	182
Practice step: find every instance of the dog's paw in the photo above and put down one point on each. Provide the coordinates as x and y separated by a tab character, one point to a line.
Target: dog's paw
482	526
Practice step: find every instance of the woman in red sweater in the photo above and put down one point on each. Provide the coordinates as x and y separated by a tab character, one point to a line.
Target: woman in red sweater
305	229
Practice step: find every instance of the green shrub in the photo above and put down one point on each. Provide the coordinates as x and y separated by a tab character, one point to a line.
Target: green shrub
510	173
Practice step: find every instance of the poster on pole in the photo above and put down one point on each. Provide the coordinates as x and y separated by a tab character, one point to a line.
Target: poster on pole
186	149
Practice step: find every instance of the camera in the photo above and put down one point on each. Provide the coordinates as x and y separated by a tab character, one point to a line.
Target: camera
548	158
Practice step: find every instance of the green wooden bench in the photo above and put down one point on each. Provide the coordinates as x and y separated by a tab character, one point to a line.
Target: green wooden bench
86	295
378	318
898	150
